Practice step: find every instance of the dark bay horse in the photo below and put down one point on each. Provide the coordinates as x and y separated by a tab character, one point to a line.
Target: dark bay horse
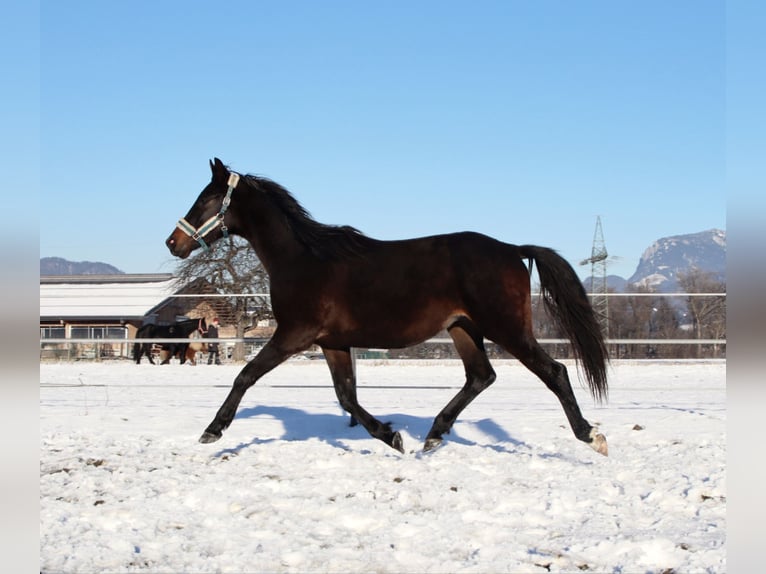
337	288
178	330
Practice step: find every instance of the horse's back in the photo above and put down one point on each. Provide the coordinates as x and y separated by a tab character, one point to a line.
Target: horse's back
428	269
461	260
145	330
486	280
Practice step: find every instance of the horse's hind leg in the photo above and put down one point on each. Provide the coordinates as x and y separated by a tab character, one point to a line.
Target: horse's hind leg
147	349
344	380
181	350
555	377
340	391
478	376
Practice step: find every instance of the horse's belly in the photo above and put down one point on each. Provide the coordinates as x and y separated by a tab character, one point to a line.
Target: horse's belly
389	329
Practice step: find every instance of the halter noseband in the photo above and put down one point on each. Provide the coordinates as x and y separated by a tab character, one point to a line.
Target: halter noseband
199	233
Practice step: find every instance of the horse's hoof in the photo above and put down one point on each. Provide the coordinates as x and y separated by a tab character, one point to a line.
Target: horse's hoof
208	437
432	444
598	443
397	442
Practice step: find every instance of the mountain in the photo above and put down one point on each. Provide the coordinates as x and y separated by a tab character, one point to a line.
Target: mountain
667	257
661	263
59	266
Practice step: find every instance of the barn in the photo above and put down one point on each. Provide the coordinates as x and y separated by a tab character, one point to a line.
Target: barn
110	309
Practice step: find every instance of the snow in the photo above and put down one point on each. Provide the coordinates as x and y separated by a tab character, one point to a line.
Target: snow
719	237
126	487
652	281
125	297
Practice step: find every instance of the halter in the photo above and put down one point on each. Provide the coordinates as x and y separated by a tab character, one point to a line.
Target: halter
199	233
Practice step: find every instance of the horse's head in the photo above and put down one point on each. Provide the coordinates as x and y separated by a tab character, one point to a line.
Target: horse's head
208	219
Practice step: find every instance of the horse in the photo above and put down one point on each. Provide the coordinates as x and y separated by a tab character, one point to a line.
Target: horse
179	330
188	354
338	288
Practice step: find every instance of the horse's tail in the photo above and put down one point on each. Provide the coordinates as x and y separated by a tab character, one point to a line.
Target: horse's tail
567	303
137	352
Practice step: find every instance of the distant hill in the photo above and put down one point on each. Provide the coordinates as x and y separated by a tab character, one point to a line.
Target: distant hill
60	266
667	257
662	261
613	283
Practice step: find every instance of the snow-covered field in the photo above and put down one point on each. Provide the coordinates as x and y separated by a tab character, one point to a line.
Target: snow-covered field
125	486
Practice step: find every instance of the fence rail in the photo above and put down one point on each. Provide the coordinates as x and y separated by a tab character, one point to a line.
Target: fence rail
92	340
268	295
59	349
97	347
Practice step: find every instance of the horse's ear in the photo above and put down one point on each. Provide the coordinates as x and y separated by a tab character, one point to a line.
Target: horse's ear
220	172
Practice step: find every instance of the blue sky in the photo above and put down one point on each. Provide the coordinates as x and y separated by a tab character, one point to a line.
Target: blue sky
521	120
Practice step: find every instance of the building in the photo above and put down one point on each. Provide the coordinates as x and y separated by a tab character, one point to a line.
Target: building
111	308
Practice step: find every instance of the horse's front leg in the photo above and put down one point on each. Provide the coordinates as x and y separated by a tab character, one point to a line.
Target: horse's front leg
272	354
344	381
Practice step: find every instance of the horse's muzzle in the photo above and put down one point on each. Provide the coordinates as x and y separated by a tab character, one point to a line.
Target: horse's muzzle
179	245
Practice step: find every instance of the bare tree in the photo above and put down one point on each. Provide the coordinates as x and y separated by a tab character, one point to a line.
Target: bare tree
633	318
708	313
230	266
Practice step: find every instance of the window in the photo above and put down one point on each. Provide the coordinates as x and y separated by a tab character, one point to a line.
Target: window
52	332
98	332
115	333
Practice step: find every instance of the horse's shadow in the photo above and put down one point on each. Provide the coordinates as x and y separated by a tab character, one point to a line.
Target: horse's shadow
334	429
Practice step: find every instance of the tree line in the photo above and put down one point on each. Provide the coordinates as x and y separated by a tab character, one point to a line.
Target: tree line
642	313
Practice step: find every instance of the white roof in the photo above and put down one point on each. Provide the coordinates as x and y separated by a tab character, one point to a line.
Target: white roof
103	296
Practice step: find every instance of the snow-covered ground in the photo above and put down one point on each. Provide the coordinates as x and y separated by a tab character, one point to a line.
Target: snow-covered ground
125	486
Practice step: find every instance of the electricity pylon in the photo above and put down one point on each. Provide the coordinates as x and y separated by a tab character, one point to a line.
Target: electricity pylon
598	289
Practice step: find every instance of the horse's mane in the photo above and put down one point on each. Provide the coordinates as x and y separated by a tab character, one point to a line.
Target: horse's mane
327	242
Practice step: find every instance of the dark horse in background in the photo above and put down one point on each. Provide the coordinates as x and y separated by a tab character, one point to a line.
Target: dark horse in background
178	330
337	288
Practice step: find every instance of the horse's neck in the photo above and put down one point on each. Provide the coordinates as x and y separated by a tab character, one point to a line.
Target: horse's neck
191	326
269	234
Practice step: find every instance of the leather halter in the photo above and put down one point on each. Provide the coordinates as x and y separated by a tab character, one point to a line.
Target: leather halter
200	232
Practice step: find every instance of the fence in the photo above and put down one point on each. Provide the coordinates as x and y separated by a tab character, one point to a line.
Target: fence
113	343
